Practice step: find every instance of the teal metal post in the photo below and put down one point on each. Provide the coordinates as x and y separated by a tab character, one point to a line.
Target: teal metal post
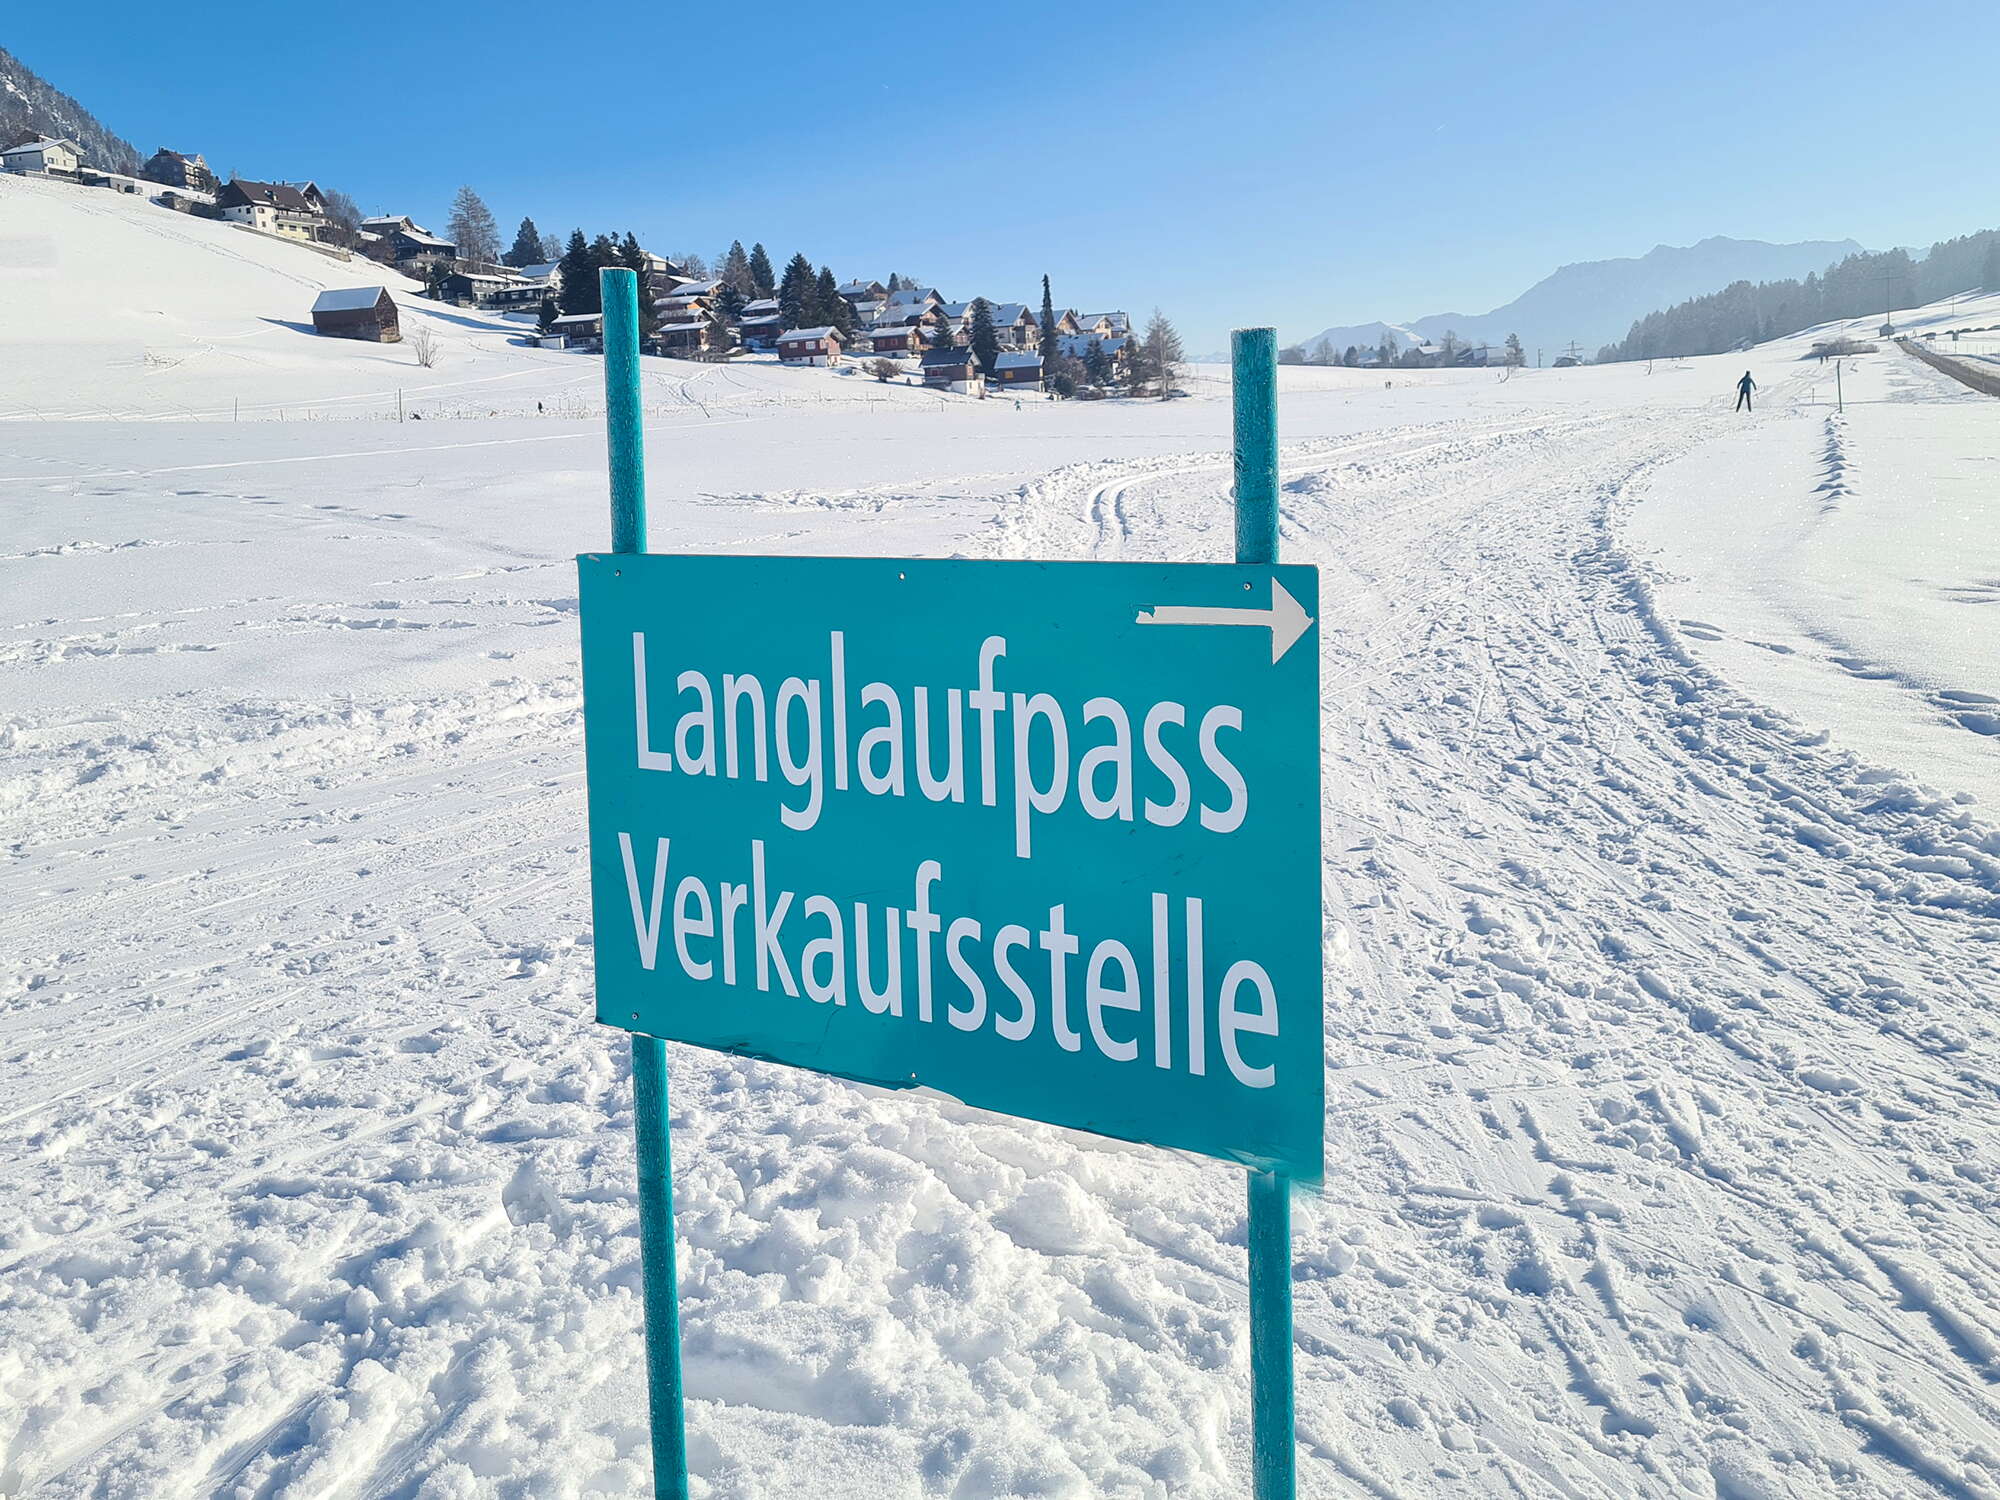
619	291
626	438
1254	372
1254	383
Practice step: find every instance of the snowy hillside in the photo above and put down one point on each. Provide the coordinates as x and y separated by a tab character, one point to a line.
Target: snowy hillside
1663	933
1595	302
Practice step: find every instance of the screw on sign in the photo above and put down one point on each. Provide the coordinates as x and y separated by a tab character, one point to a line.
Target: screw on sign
983	827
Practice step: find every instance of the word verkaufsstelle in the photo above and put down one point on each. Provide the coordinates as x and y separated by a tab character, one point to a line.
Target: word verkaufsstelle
712	921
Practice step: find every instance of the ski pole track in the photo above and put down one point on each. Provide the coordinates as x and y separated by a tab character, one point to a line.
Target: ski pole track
1660	1063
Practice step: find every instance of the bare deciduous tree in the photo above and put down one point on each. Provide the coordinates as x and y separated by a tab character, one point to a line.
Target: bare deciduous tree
884	370
424	344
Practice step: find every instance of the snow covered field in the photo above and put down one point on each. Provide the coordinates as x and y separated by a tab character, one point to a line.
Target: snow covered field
1664	1090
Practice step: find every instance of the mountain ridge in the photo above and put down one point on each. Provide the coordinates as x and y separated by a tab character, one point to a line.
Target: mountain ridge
1595	302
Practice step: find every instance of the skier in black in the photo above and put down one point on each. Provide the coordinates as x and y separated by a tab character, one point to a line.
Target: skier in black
1743	389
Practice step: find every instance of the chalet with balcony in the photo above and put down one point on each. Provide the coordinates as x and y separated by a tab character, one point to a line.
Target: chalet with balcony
580	330
952	370
810	346
276	208
1015	325
1018	370
895	340
172	169
685	337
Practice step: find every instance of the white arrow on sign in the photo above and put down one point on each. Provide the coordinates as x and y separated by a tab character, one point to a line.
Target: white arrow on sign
1286	619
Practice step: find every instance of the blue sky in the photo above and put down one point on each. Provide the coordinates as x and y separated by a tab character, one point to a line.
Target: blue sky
1293	163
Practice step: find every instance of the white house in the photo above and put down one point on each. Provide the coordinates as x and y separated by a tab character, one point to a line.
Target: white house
43	155
272	208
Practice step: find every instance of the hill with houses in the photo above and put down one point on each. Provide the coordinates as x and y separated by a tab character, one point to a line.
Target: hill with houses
742	308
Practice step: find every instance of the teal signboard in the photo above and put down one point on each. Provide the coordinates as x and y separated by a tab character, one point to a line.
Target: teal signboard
1040	836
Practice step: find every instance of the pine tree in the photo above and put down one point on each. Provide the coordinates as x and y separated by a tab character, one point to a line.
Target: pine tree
895	282
1516	356
829	307
722	320
1989	271
545	317
1350	356
939	336
1130	361
633	258
1050	345
736	272
835	309
1163	352
472	228
579	278
762	281
604	251
797	293
434	275
1096	363
527	247
980	336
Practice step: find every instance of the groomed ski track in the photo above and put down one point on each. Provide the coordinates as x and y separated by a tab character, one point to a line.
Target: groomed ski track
1662	1083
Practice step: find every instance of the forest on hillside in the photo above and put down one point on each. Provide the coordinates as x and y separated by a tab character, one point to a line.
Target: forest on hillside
1859	286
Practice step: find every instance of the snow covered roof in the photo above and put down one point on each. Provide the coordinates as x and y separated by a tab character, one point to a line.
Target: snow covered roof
1115	319
696	289
810	333
760	322
900	331
272	195
579	318
683	327
947	356
348	299
422	237
541	272
1076	345
907	296
41	144
1008	312
1017	361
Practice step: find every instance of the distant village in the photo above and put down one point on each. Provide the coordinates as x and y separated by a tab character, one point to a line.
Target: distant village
895	330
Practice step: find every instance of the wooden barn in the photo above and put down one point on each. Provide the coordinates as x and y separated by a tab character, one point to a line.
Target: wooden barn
357	312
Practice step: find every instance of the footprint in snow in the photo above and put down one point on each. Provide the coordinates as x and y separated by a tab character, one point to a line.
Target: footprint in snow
1979	712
